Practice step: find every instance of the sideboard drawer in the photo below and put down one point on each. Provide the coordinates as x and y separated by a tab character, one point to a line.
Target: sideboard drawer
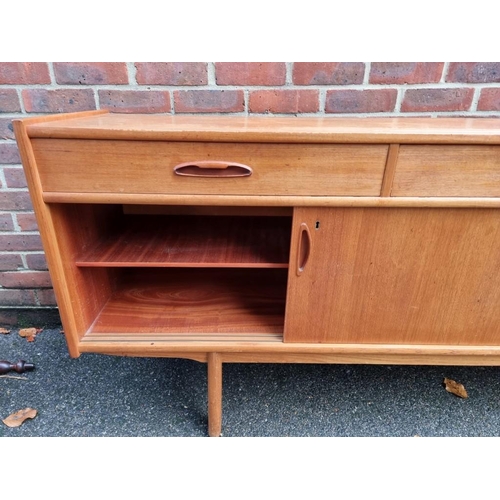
114	166
446	170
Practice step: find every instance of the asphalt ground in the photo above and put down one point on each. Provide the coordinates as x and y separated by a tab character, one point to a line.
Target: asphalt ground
97	395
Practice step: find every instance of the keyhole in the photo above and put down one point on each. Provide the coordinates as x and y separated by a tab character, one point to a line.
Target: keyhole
317	224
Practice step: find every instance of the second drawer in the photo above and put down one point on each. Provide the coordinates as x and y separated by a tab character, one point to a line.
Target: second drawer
447	170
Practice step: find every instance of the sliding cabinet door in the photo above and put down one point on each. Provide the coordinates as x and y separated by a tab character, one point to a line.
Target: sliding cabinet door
394	276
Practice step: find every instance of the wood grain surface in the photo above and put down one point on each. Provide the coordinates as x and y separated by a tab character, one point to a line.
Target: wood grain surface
274	201
390	170
265	349
265	129
72	320
187	301
409	276
447	171
190	241
98	166
214	382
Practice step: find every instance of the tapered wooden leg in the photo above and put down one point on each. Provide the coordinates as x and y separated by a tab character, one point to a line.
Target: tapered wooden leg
214	394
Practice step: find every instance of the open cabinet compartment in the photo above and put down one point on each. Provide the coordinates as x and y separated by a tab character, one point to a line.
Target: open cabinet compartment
175	275
191	241
184	301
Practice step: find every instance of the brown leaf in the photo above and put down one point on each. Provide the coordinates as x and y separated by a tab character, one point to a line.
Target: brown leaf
455	388
4	331
17	418
30	333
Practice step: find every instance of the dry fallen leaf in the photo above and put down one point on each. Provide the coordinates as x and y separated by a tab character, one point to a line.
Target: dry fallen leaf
17	418
30	333
455	388
4	331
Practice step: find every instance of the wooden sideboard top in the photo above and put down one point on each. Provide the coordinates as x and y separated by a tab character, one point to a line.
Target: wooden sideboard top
290	129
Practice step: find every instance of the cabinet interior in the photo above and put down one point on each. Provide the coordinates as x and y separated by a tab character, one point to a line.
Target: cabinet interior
210	271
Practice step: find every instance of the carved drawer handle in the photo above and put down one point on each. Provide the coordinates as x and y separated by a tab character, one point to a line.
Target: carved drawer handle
304	248
212	169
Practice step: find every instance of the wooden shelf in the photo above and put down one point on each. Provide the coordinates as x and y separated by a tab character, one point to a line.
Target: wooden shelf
189	241
211	302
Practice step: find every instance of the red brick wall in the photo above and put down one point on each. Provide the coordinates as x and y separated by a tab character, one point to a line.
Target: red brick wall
353	89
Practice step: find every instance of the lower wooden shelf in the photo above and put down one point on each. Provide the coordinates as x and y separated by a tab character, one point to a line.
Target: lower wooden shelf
184	302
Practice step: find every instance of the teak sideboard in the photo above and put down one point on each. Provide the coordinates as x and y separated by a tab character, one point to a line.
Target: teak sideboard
270	239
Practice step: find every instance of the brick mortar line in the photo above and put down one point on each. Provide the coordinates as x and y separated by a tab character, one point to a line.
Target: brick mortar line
148	87
33	115
223	113
17	212
475	100
485	114
23	190
21	100
399	100
405	86
52	73
172	104
17	227
444	74
242	113
363	115
322	102
13	116
97	100
25	264
246	102
26	233
22	252
353	115
3	180
26	271
34	306
131	73
366	76
211	80
289	74
389	114
37	300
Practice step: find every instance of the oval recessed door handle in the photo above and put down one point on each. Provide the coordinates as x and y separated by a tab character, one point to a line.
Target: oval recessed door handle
212	169
304	248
